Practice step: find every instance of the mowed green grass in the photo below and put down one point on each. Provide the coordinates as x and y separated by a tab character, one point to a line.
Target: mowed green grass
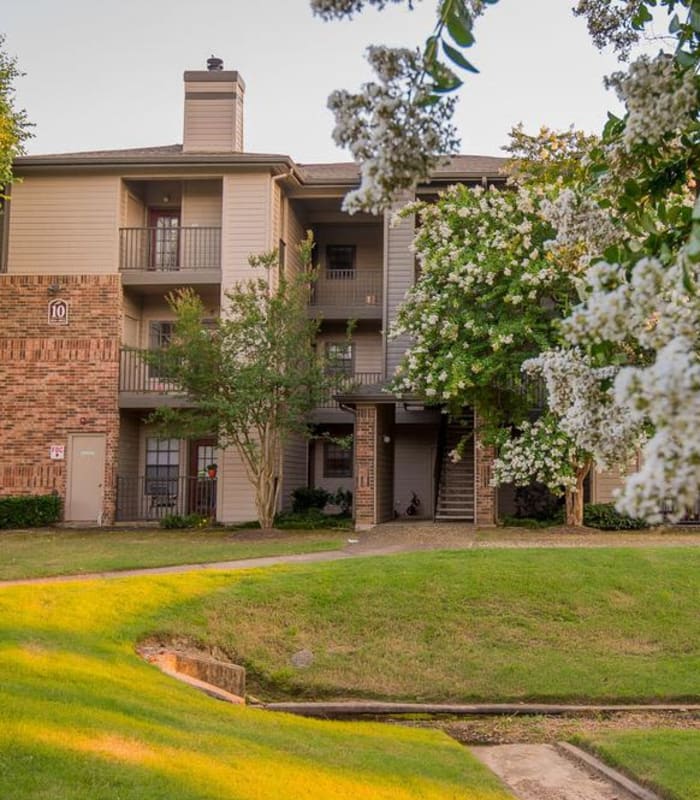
28	554
667	761
579	625
81	716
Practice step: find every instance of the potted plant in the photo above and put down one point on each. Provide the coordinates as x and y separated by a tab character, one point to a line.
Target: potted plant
211	470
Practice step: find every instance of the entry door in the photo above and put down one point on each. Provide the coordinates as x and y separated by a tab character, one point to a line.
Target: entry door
202	487
165	240
86	469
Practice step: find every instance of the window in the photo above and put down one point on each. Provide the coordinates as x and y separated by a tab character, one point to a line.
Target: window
340	358
340	259
160	334
337	461
162	466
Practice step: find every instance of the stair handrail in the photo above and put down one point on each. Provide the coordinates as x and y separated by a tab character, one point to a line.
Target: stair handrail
437	472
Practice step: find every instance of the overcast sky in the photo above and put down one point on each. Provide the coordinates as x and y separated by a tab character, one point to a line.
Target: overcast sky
102	74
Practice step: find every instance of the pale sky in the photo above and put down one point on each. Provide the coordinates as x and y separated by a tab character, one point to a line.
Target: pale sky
102	74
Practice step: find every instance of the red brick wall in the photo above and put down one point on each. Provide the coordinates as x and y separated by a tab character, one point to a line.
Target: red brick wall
485	493
365	437
57	379
374	464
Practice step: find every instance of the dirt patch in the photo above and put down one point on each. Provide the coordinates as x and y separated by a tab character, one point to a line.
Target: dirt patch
548	730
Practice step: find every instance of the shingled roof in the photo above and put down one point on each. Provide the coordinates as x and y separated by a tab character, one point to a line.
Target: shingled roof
343	173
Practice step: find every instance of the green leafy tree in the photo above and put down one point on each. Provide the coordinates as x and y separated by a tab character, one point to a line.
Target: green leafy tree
254	377
15	128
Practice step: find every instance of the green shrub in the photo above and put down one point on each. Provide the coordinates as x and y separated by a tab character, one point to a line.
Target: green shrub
306	497
343	499
176	521
312	519
528	522
29	511
606	518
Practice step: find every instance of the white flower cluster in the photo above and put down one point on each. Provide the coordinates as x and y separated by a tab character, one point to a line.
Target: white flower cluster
580	223
588	411
395	136
654	308
651	306
541	453
338	9
610	22
660	97
668	393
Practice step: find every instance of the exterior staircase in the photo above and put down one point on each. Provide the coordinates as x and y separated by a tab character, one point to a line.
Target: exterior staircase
455	499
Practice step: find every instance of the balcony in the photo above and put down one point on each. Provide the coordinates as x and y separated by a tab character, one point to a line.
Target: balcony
163	256
143	384
329	410
146	498
347	294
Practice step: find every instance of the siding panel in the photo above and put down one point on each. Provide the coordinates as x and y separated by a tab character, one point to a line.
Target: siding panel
66	225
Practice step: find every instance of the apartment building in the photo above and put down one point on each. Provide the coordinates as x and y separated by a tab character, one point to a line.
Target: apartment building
91	245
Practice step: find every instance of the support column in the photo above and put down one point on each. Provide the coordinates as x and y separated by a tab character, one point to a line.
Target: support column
485	507
374	464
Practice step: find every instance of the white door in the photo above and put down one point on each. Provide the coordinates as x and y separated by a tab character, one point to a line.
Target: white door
86	470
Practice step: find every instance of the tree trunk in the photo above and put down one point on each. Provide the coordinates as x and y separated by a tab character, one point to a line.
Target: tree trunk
574	498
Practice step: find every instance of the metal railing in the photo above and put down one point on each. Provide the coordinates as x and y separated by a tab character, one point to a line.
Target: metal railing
136	374
143	498
348	287
347	383
169	249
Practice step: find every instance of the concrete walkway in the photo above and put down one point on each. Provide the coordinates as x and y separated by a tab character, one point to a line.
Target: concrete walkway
546	772
407	537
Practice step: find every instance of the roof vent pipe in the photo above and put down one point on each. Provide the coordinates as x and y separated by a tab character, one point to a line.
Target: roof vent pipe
214	64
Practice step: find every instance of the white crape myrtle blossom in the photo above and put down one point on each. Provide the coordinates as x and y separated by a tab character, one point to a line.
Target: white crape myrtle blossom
580	224
586	407
541	453
669	393
395	135
654	308
339	9
659	96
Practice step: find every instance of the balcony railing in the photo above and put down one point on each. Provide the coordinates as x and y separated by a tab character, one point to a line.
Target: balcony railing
348	383
144	498
138	375
348	288
169	249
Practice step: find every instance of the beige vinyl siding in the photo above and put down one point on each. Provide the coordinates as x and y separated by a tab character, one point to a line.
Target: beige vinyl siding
399	277
236	497
246	228
295	469
131	321
65	225
414	467
201	204
213	124
134	210
128	446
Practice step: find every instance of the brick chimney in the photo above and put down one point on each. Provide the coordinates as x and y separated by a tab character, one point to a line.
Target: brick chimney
213	110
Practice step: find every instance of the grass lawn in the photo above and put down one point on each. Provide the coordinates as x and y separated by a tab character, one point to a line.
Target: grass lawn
667	761
29	554
521	624
81	716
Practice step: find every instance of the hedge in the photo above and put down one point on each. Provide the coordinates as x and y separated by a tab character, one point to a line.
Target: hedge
29	511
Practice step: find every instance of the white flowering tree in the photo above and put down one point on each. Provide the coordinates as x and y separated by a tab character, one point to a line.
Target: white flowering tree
640	299
584	424
399	127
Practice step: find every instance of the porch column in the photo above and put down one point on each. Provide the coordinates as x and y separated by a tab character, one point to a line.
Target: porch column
374	464
485	495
